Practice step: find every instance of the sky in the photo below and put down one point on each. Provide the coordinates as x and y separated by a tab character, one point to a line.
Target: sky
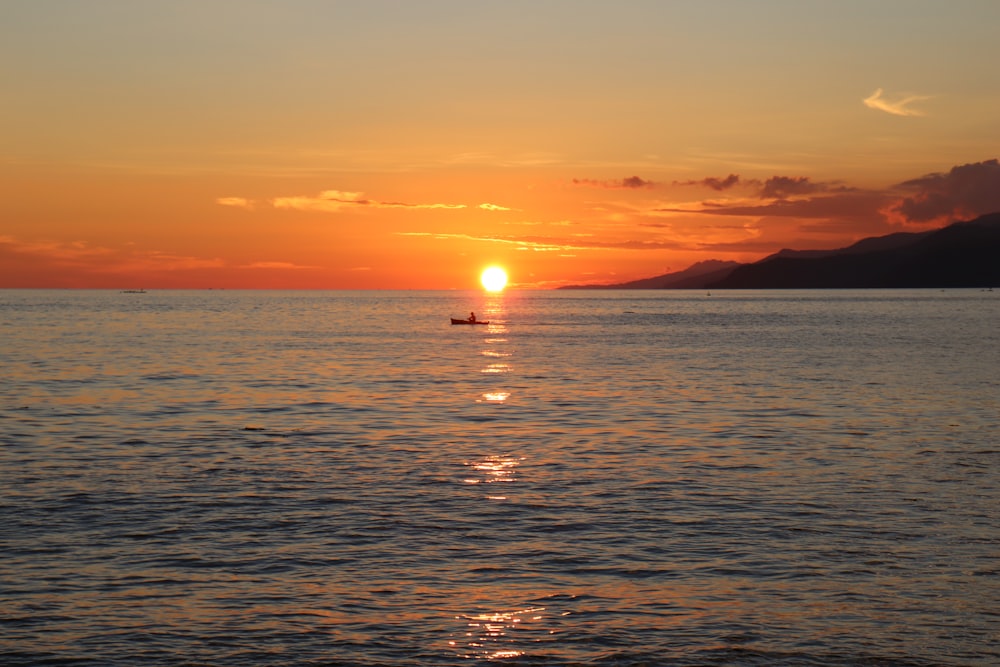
317	144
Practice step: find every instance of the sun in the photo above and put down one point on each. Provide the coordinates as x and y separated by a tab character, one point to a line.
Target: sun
494	279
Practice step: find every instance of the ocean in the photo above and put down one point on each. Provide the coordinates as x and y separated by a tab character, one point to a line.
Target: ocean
595	478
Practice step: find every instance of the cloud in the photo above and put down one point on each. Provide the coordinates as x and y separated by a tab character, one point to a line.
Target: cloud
333	201
776	187
628	183
161	261
532	243
847	205
550	244
797	205
717	184
782	211
328	201
781	187
898	107
495	207
966	191
636	182
277	265
82	256
236	202
70	252
396	204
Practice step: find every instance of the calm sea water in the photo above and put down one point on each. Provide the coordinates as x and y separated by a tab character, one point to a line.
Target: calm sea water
594	478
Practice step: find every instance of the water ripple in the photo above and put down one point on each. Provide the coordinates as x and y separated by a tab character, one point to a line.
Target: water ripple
293	479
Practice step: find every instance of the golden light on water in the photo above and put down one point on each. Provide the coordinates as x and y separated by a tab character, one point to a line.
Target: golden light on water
493	279
494	469
496	369
495	340
488	636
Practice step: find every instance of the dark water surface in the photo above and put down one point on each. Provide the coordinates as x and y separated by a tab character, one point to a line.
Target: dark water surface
595	478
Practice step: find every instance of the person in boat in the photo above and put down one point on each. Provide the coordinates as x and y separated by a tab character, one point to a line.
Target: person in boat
472	317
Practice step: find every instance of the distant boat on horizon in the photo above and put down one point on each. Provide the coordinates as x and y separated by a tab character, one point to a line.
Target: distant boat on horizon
133	291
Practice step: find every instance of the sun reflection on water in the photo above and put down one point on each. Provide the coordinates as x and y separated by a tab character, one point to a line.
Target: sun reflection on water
495	396
495	341
496	369
494	469
489	636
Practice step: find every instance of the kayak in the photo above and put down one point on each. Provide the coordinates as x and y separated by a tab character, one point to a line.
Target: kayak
454	321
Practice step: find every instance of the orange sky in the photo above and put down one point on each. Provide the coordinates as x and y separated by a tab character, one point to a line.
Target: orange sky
308	144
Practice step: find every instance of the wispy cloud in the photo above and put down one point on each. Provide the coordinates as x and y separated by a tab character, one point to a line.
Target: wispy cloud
277	265
717	184
397	204
532	243
81	255
328	201
335	200
846	205
776	187
780	187
629	183
44	262
66	252
162	261
896	107
549	244
236	202
535	159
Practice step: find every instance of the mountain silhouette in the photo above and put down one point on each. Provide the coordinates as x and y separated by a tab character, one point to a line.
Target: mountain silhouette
695	276
963	254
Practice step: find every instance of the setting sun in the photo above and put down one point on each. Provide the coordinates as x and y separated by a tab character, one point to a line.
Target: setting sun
494	279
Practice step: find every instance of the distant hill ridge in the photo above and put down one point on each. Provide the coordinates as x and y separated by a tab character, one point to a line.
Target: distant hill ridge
963	254
693	277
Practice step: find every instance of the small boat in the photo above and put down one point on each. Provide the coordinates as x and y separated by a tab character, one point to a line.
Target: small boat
454	321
